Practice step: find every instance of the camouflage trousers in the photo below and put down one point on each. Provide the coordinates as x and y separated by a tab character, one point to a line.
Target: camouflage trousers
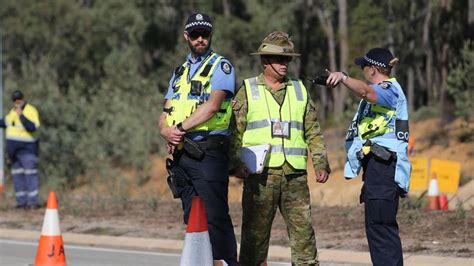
263	194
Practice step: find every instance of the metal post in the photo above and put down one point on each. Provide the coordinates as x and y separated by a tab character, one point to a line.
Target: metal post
2	159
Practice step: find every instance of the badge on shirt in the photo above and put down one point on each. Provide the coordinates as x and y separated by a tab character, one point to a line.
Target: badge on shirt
280	129
226	68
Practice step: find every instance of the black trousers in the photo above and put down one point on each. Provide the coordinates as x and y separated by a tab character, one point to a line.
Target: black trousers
210	181
380	195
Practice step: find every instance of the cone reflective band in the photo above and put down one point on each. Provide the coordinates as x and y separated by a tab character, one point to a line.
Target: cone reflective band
197	245
51	248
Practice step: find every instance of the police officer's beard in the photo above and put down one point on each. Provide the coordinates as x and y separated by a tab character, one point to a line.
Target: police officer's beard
198	51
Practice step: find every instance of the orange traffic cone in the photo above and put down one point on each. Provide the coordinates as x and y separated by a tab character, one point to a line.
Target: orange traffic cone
443	202
51	248
433	194
197	245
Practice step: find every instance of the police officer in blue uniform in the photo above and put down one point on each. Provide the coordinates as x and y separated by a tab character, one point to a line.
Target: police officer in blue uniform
377	142
22	123
195	122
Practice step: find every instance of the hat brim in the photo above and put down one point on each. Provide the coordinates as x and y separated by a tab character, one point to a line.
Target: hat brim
360	61
191	29
270	53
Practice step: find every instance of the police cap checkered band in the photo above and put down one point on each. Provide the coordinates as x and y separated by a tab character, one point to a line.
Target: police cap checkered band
198	21
379	57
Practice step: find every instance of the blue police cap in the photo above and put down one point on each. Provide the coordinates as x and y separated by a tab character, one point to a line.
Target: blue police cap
198	21
379	57
17	95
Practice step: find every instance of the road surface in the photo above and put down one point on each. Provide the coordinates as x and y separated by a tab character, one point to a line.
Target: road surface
22	253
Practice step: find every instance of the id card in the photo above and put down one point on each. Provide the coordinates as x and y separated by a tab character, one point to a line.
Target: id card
280	129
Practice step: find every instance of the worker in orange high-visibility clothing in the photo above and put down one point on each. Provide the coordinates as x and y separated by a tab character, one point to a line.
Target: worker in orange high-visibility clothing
22	123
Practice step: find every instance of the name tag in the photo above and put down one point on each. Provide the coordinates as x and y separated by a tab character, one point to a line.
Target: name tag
280	129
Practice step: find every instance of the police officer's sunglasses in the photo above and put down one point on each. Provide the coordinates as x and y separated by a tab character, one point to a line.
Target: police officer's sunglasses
364	65
199	33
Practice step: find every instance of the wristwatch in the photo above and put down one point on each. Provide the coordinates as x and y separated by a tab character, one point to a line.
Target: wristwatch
345	76
180	127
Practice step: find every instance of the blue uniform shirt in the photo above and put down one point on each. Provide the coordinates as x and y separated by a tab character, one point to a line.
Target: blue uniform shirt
220	80
386	96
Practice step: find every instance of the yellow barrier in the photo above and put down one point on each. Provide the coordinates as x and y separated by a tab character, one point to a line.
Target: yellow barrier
419	173
447	172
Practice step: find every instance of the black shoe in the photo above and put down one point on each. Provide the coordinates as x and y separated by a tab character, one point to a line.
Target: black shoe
20	206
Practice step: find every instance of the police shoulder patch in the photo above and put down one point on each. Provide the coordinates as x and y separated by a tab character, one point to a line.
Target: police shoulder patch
226	67
385	84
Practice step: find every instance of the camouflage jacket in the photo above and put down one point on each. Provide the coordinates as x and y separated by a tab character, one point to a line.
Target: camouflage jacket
313	134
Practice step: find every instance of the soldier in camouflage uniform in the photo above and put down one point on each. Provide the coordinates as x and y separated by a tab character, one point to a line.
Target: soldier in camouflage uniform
273	108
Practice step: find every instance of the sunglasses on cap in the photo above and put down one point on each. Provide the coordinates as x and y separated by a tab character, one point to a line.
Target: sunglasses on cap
279	58
199	33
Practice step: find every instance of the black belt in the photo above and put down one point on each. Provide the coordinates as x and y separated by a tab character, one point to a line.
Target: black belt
214	142
378	151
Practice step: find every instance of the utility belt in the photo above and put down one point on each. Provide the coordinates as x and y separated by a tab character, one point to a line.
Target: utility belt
197	149
379	152
214	142
178	178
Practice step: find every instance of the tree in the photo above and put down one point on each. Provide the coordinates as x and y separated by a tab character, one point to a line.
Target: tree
460	83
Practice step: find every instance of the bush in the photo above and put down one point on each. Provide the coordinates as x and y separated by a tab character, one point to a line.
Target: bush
425	112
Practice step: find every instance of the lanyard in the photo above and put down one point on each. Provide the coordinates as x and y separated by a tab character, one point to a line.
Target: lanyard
199	67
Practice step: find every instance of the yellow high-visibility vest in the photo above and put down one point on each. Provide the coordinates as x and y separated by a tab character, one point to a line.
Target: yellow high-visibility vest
375	122
374	118
185	101
16	130
263	109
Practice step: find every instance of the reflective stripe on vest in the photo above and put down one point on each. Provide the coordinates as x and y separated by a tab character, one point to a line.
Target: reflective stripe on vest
262	109
16	130
184	102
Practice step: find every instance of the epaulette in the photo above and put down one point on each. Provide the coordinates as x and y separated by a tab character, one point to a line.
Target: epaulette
206	70
179	71
208	67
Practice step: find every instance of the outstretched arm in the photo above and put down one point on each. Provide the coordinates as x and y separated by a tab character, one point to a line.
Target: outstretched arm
358	87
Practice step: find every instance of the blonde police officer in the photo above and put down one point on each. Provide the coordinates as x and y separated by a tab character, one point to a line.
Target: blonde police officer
22	123
198	109
275	109
377	142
